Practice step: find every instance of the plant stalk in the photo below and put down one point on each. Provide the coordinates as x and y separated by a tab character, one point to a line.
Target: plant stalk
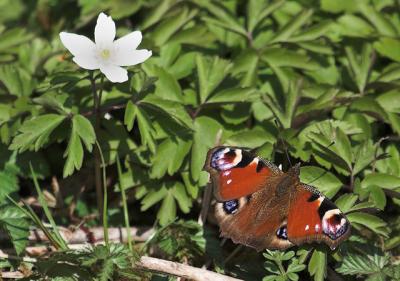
97	162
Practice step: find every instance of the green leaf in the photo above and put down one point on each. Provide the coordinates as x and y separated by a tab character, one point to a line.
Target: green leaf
370	106
343	146
130	115
210	73
317	265
251	138
85	131
81	131
364	156
183	66
389	101
285	112
388	47
339	6
169	157
13	37
378	19
354	264
74	153
292	26
35	132
167	211
17	80
174	109
258	10
377	196
281	57
324	181
312	32
346	202
153	197
380	179
145	128
167	87
9	181
184	202
156	14
206	130
372	222
233	95
172	24
359	65
15	223
354	26
223	18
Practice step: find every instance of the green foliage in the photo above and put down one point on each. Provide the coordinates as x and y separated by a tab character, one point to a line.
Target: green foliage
326	73
274	265
97	263
12	220
180	241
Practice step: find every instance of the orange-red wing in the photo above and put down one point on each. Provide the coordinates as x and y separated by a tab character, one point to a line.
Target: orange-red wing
236	173
313	217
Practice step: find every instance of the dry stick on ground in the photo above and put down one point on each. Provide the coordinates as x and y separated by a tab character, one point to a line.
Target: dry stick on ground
181	270
151	264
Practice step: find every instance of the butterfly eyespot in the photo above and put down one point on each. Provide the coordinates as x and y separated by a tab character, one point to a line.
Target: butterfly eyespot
334	224
225	158
281	233
231	206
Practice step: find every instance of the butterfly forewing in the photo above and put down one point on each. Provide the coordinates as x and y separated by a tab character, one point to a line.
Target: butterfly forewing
236	173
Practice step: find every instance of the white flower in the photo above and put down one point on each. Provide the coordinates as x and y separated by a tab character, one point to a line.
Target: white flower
106	54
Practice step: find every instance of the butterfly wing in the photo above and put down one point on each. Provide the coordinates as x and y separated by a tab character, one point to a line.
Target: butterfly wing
255	196
314	218
236	173
255	221
262	207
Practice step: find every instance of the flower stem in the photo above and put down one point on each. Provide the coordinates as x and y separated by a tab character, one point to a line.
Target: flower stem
124	204
105	197
97	162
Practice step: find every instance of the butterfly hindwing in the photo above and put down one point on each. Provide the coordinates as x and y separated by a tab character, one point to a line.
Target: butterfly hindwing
258	221
314	218
236	173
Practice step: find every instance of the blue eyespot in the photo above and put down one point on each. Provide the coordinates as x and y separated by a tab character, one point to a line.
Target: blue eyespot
231	206
282	232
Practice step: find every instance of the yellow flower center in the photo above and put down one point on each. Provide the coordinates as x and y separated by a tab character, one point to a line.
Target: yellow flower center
105	54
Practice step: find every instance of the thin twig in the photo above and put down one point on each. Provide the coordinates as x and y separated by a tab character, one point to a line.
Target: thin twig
90	235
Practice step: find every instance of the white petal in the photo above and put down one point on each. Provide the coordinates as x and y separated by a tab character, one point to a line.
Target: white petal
129	57
87	62
104	32
114	73
129	42
77	44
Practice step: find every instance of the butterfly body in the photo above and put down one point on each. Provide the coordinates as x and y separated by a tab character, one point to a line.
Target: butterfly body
262	207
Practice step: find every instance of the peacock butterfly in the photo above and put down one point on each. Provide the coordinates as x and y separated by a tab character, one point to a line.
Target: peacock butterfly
262	207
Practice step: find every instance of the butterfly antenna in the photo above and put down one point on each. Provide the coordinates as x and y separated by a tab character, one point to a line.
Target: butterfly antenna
285	148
